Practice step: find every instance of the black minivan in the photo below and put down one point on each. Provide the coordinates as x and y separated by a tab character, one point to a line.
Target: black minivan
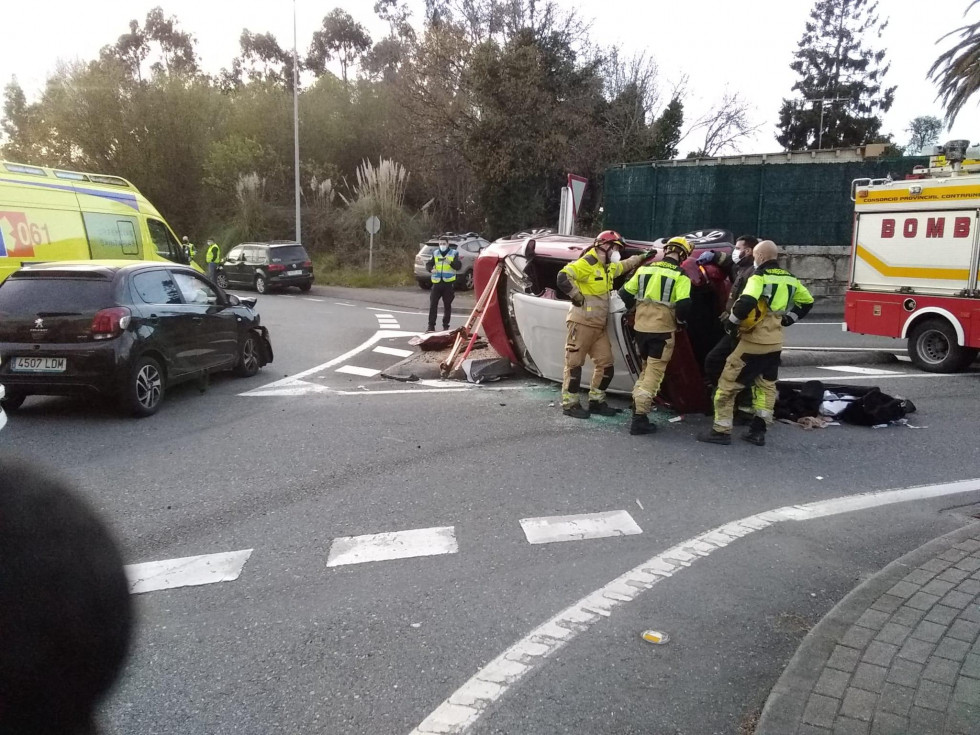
267	265
124	330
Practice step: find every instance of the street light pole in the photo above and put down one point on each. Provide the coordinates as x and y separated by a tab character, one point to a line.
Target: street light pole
296	127
823	106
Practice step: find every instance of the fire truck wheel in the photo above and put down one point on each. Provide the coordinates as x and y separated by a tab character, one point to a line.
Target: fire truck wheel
933	348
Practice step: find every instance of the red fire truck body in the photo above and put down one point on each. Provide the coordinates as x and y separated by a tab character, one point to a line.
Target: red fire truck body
914	263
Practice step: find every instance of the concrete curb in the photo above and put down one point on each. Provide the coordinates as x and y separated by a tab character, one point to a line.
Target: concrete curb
784	708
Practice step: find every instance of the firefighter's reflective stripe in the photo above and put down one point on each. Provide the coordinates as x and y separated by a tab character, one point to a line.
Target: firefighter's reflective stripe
661	282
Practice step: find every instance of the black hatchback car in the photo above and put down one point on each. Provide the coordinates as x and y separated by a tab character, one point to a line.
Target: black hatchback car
121	329
267	265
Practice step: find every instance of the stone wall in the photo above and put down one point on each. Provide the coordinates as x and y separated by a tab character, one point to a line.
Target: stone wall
823	270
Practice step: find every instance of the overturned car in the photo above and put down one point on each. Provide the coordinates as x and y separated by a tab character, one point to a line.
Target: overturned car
525	317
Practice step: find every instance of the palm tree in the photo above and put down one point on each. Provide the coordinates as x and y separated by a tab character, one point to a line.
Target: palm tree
957	70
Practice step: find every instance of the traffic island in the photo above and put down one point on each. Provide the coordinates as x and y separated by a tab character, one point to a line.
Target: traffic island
900	654
426	365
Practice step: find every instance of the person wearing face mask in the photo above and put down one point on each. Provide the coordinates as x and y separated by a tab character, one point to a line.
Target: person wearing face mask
662	293
738	267
443	266
588	282
772	299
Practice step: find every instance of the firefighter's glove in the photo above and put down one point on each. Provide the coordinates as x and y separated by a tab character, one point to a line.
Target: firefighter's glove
706	258
731	328
578	299
789	319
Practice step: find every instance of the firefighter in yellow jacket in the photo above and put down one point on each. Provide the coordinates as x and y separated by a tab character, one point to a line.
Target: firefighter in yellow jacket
588	281
771	300
662	292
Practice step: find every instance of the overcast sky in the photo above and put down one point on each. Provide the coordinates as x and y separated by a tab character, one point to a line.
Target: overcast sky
742	46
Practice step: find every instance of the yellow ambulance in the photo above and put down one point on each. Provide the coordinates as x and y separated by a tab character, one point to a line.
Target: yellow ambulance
48	214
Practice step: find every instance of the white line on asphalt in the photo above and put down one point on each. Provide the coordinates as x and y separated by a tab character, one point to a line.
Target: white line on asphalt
378	336
859	370
394	351
845	349
839	378
468	703
551	529
341	303
189	571
310	298
392	311
392	545
355	370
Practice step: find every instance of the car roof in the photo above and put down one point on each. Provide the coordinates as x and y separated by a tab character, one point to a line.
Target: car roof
272	244
105	268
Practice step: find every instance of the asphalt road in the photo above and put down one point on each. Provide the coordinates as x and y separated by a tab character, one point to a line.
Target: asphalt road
317	448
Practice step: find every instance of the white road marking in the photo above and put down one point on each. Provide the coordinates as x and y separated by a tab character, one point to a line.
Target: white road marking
340	303
551	529
468	703
859	370
310	298
393	311
393	351
839	378
292	380
189	571
844	349
355	370
392	545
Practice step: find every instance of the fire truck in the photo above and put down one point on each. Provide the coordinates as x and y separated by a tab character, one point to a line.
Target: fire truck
914	259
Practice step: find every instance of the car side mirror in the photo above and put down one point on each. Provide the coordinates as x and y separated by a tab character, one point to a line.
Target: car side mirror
233	300
527	249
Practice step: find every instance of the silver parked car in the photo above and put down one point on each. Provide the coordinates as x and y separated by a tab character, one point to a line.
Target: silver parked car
469	245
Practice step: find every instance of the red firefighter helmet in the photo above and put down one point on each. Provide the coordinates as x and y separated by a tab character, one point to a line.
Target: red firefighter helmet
609	237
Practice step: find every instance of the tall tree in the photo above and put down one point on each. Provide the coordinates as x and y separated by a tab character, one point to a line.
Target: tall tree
841	79
665	133
159	41
923	132
340	37
957	70
723	126
262	60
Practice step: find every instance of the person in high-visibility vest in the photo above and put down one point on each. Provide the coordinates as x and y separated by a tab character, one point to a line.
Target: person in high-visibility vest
443	266
772	299
588	282
213	257
662	294
189	249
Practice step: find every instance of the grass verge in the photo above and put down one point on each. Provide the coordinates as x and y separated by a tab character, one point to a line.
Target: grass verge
388	272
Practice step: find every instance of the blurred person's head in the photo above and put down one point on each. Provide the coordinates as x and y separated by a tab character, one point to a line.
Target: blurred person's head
65	612
765	252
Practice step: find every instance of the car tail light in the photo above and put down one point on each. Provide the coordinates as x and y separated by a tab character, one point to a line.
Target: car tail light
109	323
276	267
307	263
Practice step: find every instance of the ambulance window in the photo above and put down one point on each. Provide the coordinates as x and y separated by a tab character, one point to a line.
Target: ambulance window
165	243
112	235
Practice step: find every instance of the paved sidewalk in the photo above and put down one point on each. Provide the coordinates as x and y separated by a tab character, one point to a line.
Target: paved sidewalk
899	655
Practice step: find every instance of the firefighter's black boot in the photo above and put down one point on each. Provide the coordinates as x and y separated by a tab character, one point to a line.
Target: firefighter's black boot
715	437
601	408
757	432
575	411
640	424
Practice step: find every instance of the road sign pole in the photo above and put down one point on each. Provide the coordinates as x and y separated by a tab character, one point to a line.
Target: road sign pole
371	255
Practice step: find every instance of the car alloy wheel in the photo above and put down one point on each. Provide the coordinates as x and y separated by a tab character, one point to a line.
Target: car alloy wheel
248	363
222	280
260	284
146	387
468	281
